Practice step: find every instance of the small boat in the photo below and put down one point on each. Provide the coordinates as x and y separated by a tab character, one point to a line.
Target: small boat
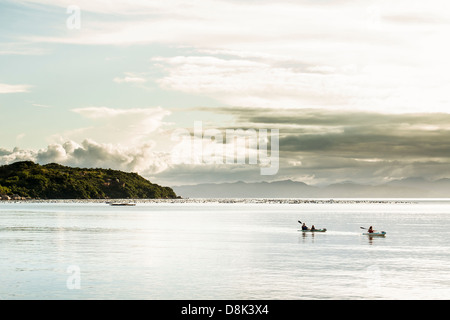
122	204
315	230
375	234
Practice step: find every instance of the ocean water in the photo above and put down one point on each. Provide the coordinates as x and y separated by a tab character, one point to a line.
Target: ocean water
224	251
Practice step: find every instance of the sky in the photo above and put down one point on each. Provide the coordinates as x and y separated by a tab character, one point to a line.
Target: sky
356	90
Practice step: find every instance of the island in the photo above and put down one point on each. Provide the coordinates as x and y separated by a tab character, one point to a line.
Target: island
28	180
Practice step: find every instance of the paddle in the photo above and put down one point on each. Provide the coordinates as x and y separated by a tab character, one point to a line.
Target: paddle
301	223
373	230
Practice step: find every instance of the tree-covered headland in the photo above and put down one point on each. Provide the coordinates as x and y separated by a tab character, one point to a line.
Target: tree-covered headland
27	179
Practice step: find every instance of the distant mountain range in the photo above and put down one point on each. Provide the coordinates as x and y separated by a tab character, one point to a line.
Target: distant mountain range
406	188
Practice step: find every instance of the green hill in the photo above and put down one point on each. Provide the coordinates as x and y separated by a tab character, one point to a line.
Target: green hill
54	181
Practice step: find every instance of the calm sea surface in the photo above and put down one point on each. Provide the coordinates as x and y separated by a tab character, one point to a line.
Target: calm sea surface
224	251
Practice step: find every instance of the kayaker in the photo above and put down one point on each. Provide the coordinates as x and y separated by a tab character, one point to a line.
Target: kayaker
370	230
313	228
304	227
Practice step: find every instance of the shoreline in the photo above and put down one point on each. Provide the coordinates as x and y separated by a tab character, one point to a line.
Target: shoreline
231	201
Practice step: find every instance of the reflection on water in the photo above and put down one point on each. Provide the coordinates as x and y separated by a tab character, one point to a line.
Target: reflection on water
372	238
307	237
59	229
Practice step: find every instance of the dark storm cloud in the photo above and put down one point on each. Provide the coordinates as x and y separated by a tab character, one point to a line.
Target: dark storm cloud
352	143
315	116
331	146
353	134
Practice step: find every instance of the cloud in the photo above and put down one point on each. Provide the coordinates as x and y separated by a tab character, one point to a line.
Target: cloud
18	48
233	22
354	134
130	77
366	147
13	88
269	83
91	154
127	126
17	154
359	55
248	83
40	105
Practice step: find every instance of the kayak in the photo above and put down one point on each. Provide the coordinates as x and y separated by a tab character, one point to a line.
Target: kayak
375	234
315	230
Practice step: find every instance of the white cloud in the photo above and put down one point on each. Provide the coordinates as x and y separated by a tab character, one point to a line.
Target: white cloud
13	88
16	154
91	154
266	84
398	49
122	139
132	159
18	48
40	105
130	77
211	23
268	26
272	83
126	126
